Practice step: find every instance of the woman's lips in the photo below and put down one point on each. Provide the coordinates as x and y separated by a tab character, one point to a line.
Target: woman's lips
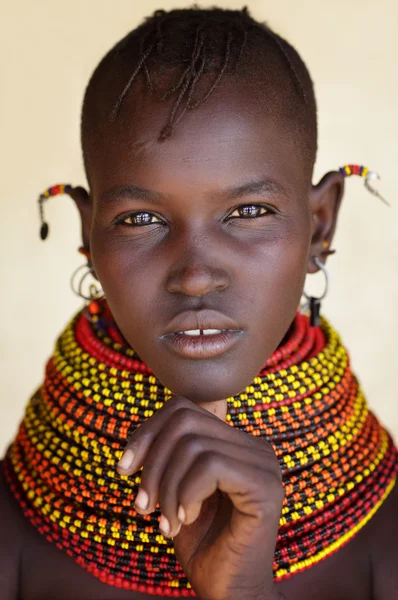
201	346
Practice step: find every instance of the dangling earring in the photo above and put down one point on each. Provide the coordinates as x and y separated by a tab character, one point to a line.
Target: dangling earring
95	293
313	303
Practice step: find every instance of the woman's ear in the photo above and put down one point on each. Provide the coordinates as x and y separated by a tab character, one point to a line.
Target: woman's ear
83	202
325	202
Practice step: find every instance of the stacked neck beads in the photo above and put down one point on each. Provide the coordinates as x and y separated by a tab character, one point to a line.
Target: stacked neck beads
338	463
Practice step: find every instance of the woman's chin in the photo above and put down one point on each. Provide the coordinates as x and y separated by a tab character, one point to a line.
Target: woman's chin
206	389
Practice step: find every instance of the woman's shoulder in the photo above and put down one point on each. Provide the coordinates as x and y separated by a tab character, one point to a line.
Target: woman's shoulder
12	525
31	567
383	543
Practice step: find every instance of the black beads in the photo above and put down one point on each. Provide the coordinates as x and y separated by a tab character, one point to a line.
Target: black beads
44	231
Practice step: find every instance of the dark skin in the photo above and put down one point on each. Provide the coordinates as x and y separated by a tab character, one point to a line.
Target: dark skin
200	252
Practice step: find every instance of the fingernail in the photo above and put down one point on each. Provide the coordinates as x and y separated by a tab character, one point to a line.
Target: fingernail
164	525
142	499
127	460
181	514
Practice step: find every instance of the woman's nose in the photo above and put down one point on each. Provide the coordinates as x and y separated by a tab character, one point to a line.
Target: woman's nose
197	280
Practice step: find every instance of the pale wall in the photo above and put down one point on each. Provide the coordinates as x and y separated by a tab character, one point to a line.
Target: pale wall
48	50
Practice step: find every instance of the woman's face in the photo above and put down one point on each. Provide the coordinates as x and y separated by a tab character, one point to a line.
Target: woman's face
184	227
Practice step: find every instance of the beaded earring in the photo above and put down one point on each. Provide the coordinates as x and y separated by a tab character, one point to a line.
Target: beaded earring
348	170
54	190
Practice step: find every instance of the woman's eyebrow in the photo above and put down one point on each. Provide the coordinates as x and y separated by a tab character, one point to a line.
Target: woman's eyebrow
118	193
257	187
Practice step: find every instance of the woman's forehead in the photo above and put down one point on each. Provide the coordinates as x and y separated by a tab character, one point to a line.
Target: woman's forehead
227	137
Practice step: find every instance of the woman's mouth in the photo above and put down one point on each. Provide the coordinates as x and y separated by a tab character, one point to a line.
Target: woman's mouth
201	343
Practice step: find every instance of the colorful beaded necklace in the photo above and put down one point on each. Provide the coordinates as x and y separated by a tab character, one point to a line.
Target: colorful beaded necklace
339	464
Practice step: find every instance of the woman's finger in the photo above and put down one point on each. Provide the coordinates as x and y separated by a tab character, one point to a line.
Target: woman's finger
141	439
257	494
163	484
178	417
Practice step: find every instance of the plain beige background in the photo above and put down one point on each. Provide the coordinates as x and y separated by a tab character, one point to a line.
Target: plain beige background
49	49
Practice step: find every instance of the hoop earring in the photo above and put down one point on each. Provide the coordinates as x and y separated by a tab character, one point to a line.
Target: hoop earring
95	293
313	303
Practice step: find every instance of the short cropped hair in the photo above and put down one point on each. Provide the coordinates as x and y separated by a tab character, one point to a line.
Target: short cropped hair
191	43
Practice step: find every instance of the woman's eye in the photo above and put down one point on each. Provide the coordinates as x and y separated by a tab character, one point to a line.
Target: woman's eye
138	219
250	211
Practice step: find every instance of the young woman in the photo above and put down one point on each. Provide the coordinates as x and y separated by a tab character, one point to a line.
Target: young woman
197	434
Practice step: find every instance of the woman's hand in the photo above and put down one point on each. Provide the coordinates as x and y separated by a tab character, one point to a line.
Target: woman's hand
220	493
